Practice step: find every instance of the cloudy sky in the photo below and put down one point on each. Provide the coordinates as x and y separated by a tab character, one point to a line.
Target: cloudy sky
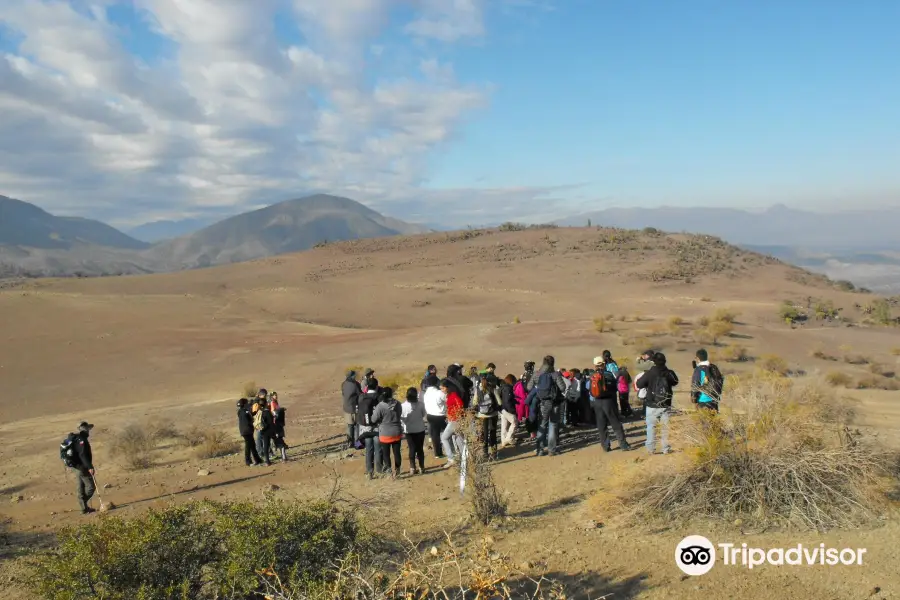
446	111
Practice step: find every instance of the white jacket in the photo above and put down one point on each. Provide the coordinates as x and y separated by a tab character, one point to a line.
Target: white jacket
435	402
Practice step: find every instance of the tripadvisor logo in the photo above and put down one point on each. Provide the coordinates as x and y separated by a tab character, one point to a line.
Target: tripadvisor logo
696	555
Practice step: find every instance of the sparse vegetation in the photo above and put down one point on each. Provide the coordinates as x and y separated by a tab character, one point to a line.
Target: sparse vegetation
400	381
838	379
895	351
877	382
250	389
844	285
881	312
487	502
719	329
703	321
161	428
733	353
517	320
725	315
135	446
822	355
774	364
856	359
214	443
788	312
785	460
601	325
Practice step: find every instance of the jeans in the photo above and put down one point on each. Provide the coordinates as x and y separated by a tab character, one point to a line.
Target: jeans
416	443
386	450
653	415
605	411
548	430
85	489
374	456
250	451
448	441
488	433
508	426
262	446
436	426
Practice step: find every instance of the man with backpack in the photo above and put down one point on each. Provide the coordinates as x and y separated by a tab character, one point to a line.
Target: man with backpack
75	452
245	427
604	391
549	390
350	391
706	383
264	427
658	382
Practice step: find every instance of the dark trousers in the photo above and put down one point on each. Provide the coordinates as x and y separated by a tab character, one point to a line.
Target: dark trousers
86	488
624	406
436	426
250	450
263	446
416	443
605	411
387	450
373	455
489	433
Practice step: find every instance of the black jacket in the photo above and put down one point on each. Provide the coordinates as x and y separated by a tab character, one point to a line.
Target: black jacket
649	381
83	451
245	421
365	408
278	423
507	398
351	391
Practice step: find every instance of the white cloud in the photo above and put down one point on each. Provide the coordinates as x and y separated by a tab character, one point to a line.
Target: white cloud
234	116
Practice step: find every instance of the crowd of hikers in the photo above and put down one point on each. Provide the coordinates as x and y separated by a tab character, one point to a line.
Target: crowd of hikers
502	411
507	411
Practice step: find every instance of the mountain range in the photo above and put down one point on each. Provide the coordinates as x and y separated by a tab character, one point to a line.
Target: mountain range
35	243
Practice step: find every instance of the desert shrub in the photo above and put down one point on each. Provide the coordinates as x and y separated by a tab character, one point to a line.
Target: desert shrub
517	320
702	336
135	446
844	285
881	312
733	353
657	330
895	351
785	459
719	329
250	389
214	443
822	355
487	502
193	436
838	379
788	312
703	321
774	364
676	321
856	359
161	428
877	382
725	315
199	549
879	369
602	324
705	299
400	381
509	226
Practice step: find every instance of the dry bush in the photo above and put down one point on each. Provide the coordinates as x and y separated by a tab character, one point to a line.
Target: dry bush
702	336
193	436
879	369
895	351
214	443
488	503
657	330
602	324
517	320
676	321
250	389
785	459
774	364
876	382
838	379
135	446
856	359
400	381
725	315
161	428
706	299
719	329
733	353
703	321
822	355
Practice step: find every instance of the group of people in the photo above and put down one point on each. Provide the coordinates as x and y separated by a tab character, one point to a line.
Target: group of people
261	424
505	411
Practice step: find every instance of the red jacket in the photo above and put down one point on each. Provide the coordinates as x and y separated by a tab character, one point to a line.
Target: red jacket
454	407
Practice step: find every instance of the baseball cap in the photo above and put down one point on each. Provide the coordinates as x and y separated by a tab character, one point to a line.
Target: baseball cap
369	372
85	426
598	360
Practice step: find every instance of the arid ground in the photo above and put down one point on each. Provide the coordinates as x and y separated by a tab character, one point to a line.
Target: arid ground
124	350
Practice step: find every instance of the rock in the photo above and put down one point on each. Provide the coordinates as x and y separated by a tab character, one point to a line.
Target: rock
203	473
494	556
527	565
560	552
875	590
52	513
434	551
16	499
738	522
106	486
272	487
591	524
443	498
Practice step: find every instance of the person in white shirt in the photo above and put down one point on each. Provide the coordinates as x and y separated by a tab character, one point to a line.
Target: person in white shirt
435	402
412	417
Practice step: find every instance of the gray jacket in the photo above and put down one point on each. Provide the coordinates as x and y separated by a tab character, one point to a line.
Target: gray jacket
387	417
351	391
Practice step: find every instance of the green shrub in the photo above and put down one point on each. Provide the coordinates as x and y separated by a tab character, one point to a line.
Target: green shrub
788	312
881	312
199	549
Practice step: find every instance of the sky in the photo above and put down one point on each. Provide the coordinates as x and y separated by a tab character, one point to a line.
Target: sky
452	112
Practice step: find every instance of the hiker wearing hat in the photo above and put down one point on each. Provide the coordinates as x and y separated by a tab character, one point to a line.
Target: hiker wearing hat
604	391
83	464
367	376
351	391
245	428
658	382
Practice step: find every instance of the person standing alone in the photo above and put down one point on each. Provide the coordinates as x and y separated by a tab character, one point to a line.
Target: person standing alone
76	451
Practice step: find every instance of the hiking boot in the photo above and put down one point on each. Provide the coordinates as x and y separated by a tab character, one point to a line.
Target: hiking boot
627	448
369	475
88	511
413	472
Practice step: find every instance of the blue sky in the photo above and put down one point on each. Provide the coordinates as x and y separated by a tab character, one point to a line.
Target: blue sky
460	110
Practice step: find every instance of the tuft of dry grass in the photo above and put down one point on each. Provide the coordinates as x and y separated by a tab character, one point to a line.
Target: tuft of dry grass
895	351
602	324
774	364
250	390
214	443
784	459
135	446
725	315
822	355
488	503
838	379
703	321
517	320
856	359
877	382
719	329
400	381
733	353
706	299
161	428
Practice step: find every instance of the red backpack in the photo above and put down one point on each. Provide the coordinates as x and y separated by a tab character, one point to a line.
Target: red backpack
598	385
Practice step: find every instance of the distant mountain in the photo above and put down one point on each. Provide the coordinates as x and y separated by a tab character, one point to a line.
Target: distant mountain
23	224
289	226
158	231
776	226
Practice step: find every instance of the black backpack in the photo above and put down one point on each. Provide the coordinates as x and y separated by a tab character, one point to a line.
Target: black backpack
661	390
546	389
67	451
